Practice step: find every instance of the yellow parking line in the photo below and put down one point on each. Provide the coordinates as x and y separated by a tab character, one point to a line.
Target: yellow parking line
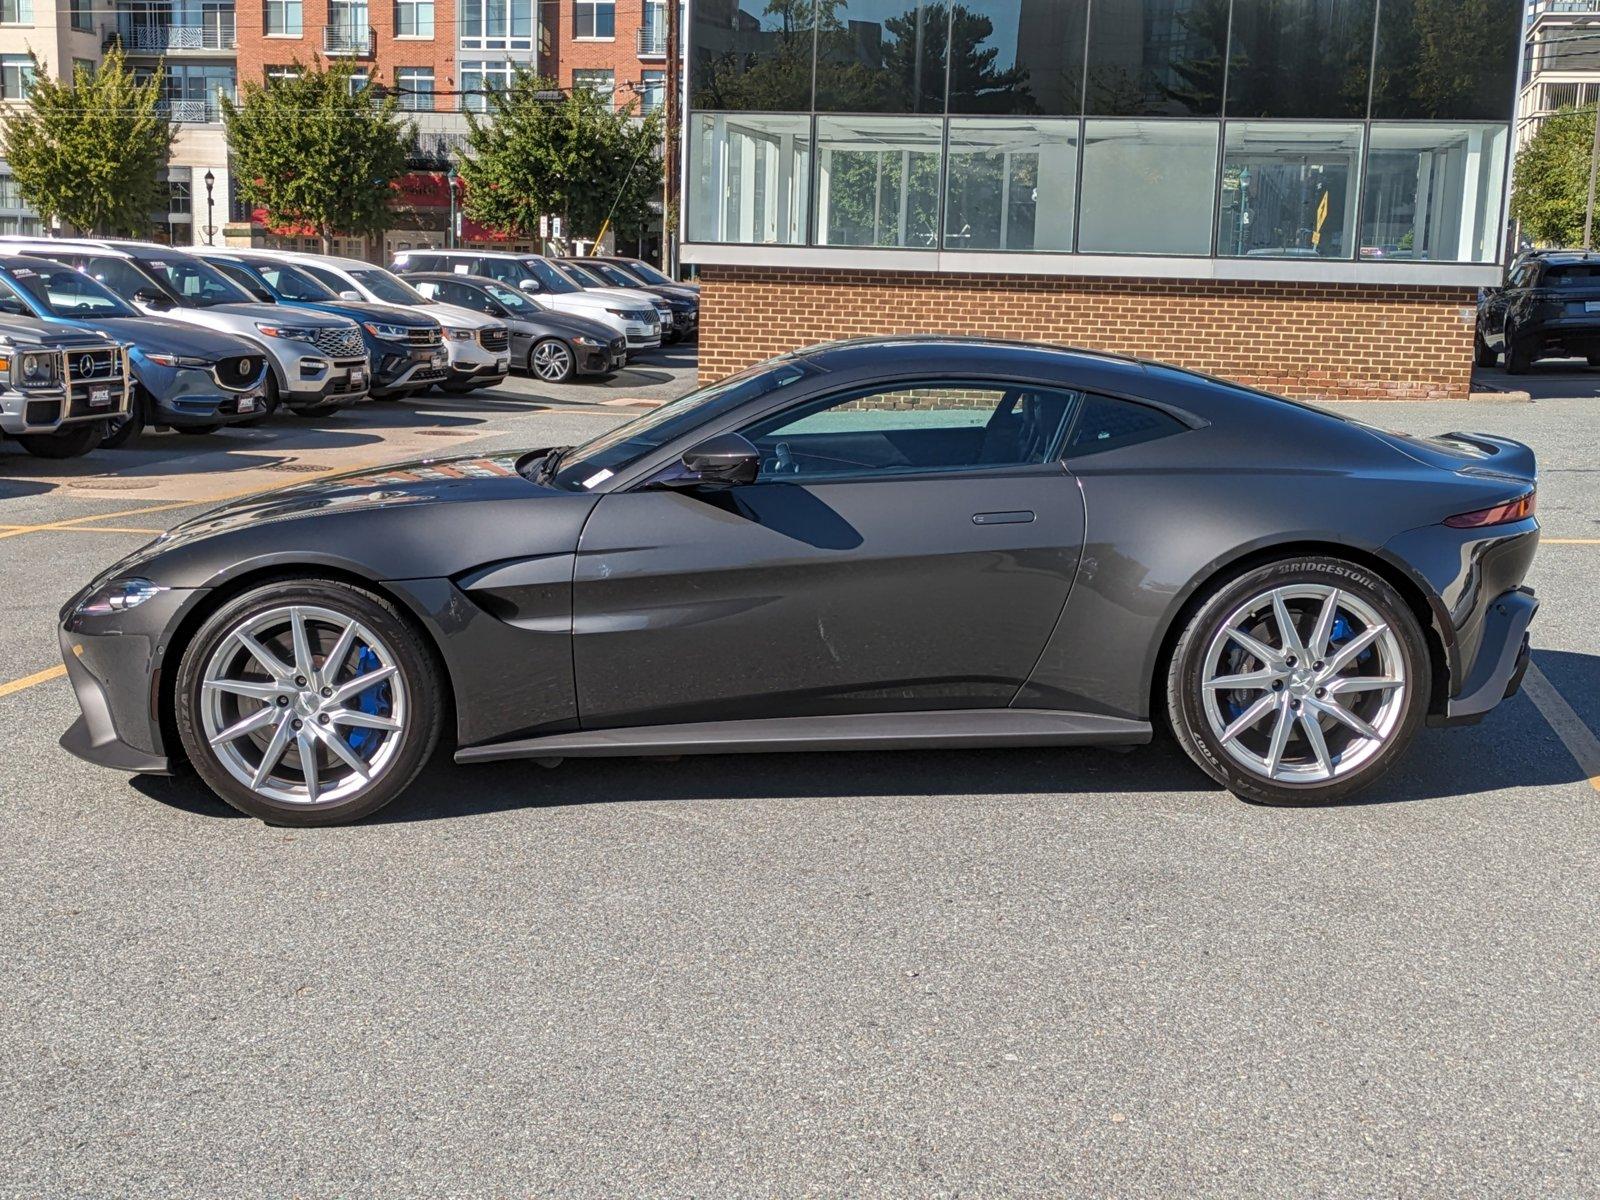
1577	737
82	529
38	677
1544	541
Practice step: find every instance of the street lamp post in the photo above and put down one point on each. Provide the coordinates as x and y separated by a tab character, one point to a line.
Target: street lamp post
211	206
450	184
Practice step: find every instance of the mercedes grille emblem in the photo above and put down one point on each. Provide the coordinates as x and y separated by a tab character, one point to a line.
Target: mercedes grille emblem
86	365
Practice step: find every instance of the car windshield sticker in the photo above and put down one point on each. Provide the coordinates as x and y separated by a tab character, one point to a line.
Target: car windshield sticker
598	478
22	273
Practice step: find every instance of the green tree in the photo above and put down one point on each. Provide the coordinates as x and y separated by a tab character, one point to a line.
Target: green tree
318	153
576	158
1552	173
89	153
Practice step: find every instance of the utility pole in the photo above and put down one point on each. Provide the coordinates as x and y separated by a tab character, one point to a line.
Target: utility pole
669	147
1588	200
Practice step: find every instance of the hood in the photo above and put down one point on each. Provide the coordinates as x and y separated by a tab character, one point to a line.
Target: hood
461	318
156	336
274	313
598	300
554	321
363	310
24	331
431	518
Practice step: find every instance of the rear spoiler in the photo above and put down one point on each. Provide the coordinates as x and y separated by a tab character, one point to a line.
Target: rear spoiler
1505	456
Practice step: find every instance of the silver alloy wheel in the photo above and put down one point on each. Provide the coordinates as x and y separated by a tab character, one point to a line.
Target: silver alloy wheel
303	705
552	361
1303	684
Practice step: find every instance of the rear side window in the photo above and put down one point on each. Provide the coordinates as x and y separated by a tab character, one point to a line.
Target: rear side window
1106	424
1574	276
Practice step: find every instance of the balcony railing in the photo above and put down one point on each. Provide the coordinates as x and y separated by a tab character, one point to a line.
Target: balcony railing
159	39
192	112
348	41
652	41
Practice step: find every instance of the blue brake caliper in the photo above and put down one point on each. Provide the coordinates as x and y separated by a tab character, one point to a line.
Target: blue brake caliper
375	700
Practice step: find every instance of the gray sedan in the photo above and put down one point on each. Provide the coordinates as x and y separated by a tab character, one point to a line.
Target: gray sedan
554	346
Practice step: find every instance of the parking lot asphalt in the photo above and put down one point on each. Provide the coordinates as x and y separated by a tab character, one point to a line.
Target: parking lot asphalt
986	973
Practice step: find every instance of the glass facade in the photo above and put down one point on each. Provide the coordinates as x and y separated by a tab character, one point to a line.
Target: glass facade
1345	130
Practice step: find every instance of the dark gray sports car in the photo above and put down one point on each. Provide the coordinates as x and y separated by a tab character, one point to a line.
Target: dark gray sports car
881	544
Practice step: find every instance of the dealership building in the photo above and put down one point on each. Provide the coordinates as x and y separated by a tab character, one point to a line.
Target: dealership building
1302	195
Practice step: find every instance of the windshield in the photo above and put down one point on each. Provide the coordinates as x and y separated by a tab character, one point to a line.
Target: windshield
389	288
68	293
646	272
582	275
510	298
551	279
292	283
598	459
123	277
196	284
613	275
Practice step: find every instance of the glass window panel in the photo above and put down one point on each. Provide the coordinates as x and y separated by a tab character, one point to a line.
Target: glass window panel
1447	59
1299	58
881	56
1011	185
749	178
751	54
1289	190
878	181
1153	58
1433	192
1018	56
1148	187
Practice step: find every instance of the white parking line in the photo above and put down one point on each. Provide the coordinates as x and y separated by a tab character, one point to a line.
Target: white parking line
1577	737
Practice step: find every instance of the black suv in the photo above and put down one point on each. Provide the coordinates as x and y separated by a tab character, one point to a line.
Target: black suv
1548	308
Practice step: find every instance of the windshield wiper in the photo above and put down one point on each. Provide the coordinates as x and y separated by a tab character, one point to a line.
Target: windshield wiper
552	461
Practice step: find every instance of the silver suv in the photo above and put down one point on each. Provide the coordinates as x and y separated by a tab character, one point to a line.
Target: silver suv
319	361
59	387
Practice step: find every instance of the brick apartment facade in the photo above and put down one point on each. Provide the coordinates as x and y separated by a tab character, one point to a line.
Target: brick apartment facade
387	51
1308	340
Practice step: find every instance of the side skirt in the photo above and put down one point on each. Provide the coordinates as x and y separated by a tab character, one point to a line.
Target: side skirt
970	727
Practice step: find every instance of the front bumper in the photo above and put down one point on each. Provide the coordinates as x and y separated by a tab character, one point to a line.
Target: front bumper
601	360
484	373
315	380
400	368
188	396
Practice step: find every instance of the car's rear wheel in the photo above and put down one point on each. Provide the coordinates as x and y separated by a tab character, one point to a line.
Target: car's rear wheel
310	703
1481	354
1300	682
1519	355
552	361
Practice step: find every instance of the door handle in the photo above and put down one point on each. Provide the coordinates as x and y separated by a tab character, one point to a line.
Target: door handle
1019	517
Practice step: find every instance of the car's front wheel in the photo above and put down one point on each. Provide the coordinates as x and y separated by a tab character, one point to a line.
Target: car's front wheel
1300	682
72	441
308	703
552	361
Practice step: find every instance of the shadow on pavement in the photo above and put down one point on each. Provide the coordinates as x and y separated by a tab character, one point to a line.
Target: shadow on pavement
1512	748
1554	379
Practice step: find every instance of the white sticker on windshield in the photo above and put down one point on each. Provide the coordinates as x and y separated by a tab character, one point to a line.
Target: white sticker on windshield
22	273
598	478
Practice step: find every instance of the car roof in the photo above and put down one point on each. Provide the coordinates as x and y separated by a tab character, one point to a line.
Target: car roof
453	277
330	260
1561	258
472	253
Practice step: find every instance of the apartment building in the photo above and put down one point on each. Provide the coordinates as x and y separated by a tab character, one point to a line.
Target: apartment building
1561	61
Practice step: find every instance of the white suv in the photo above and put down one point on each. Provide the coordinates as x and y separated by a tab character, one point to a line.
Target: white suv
479	346
319	361
634	317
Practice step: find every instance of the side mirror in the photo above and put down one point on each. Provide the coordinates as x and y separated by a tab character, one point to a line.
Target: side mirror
151	298
528	285
729	459
347	294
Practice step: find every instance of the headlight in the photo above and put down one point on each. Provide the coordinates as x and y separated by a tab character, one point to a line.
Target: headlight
179	360
292	333
119	596
387	333
35	368
460	335
628	314
584	340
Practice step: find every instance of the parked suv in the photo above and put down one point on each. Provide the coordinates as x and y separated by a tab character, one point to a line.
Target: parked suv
318	362
1549	308
406	349
554	346
189	379
478	347
682	308
58	387
538	277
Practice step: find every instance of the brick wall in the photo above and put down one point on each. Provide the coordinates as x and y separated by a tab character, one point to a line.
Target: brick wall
1335	341
257	51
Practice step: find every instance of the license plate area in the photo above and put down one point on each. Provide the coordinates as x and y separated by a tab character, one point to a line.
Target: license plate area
99	397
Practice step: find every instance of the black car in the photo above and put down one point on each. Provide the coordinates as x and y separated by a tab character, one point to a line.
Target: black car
1549	308
551	345
884	544
645	273
685	304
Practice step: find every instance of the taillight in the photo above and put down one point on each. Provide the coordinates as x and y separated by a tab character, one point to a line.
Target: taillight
1501	514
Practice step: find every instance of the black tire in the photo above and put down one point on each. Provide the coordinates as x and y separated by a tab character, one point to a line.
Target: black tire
415	667
126	428
270	399
1481	354
195	430
1185	693
1519	355
551	360
72	442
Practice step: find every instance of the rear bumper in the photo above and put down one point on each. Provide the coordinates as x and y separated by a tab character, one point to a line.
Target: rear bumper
1503	656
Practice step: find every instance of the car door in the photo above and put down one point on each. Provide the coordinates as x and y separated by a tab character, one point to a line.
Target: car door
1498	304
904	548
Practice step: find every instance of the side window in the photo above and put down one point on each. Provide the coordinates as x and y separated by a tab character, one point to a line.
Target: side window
1106	424
506	270
328	279
11	302
469	297
422	262
931	426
